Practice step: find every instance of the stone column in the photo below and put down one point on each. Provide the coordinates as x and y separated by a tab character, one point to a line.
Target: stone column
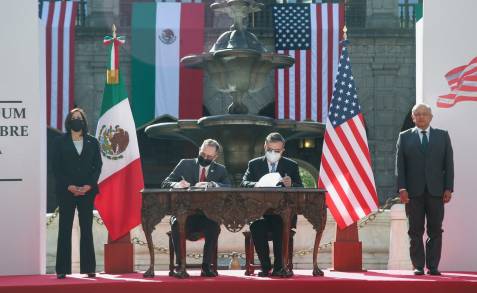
103	13
399	241
382	14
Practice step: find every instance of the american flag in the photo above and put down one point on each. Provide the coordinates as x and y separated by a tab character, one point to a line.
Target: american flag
310	33
345	170
462	81
58	19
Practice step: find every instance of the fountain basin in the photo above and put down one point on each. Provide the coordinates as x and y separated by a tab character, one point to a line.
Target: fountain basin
242	136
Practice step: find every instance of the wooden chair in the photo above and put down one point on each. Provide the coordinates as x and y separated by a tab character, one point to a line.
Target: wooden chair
195	237
250	265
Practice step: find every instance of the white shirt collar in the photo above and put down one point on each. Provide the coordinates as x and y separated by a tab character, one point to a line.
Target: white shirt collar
427	130
206	170
270	166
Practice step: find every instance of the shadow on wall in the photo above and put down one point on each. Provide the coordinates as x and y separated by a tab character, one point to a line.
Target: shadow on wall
407	123
51	204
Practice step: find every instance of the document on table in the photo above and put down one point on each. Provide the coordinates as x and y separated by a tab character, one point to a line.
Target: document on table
269	180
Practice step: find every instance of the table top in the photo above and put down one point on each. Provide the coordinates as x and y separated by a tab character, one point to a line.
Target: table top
235	189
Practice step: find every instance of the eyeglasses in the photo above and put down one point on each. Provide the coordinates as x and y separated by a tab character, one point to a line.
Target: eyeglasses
275	151
206	156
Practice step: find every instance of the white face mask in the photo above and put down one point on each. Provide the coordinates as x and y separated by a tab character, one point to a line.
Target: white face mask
272	156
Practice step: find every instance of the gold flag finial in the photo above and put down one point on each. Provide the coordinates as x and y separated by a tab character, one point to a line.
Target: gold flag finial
345	35
114	31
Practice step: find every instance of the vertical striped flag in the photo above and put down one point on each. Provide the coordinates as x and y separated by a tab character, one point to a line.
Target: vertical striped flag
310	33
163	33
345	170
58	18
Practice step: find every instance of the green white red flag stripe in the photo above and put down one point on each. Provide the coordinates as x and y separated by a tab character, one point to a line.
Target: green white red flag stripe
114	54
163	33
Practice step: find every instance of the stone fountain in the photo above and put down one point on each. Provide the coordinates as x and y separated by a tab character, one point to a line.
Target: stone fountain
237	65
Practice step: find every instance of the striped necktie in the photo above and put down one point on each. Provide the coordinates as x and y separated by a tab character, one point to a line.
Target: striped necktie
273	167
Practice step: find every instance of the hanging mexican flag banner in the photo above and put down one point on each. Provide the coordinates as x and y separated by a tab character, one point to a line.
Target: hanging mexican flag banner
121	180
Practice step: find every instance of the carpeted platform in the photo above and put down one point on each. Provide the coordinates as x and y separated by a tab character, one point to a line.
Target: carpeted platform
235	281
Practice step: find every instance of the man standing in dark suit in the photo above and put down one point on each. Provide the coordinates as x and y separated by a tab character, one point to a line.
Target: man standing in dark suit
425	174
272	161
202	171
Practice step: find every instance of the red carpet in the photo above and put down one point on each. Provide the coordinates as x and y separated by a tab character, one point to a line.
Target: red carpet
235	281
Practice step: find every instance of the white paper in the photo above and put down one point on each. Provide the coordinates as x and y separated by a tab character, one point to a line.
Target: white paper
269	180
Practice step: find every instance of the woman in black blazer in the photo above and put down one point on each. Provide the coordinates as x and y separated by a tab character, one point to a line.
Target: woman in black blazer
77	166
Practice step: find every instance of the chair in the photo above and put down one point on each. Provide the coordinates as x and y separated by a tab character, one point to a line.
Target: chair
250	266
194	237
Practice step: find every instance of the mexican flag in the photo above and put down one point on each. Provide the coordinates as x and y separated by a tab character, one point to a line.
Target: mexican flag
121	180
162	33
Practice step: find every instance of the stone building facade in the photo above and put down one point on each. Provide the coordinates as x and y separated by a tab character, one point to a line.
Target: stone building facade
382	52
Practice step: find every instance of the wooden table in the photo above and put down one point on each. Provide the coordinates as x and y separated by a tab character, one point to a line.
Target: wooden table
234	208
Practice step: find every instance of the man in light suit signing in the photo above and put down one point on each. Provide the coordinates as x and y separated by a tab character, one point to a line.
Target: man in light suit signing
425	178
202	171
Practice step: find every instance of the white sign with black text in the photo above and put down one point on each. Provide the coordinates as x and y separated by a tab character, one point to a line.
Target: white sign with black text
22	141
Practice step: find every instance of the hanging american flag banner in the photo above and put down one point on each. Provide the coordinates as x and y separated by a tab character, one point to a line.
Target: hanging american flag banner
310	33
462	81
58	18
345	170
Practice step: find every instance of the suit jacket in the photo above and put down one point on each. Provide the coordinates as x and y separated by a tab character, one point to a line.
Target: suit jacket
416	168
259	167
73	169
189	169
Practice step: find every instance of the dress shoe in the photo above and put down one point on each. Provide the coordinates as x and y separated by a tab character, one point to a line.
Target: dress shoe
418	272
60	276
207	271
433	272
282	273
277	272
91	275
265	272
180	274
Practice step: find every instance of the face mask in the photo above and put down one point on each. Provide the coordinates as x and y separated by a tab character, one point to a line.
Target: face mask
272	156
76	124
203	162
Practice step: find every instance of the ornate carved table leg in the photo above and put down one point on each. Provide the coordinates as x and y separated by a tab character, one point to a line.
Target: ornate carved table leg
316	270
182	219
286	218
154	208
319	233
150	245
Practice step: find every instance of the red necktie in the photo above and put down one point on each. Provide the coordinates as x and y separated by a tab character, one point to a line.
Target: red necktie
202	175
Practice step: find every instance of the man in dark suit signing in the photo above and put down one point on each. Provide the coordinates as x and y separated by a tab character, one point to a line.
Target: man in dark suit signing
425	175
272	161
202	171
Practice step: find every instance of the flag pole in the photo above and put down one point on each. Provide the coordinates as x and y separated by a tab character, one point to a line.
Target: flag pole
347	250
119	253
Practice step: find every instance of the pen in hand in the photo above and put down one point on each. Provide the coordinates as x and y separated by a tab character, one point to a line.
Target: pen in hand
183	183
